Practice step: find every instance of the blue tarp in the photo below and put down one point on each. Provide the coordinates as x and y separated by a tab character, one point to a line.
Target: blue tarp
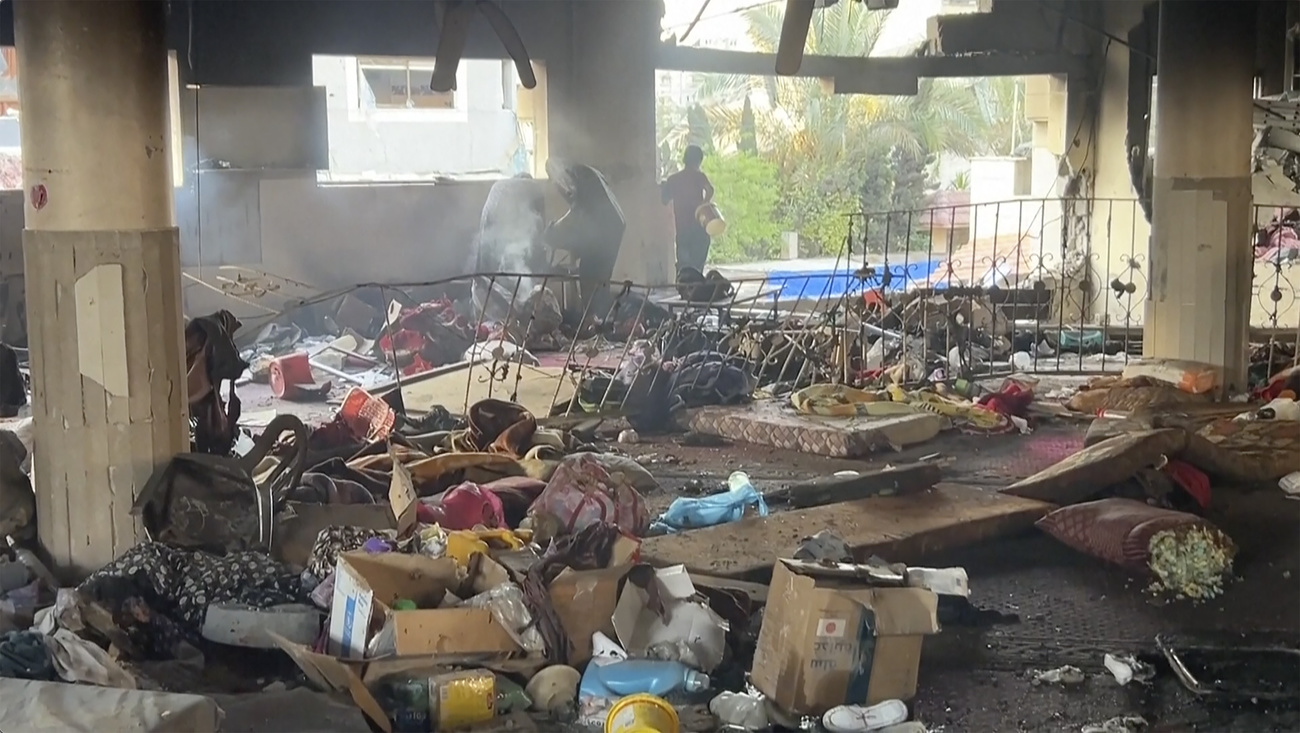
835	283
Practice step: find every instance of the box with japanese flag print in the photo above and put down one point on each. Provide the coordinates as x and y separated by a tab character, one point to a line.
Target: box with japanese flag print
829	640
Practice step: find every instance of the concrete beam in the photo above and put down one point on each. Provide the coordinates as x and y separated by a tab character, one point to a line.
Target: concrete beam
1271	46
871	75
1020	27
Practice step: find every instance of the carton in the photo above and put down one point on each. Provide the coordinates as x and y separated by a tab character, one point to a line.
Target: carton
367	586
433	639
438	638
356	677
661	609
830	641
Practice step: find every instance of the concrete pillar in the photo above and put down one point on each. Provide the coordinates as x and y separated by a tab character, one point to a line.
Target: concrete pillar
102	268
601	112
1199	302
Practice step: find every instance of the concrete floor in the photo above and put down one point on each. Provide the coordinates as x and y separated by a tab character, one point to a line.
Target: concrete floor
1072	609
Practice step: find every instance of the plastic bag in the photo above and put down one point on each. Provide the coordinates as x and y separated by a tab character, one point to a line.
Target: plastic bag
465	507
583	492
432	541
707	511
506	602
384	643
748	711
448	701
461	699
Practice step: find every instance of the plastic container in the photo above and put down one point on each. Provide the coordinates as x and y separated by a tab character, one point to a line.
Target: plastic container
440	702
710	219
747	711
289	371
508	607
33	564
368	417
1290	483
640	676
707	511
642	714
1280	408
461	699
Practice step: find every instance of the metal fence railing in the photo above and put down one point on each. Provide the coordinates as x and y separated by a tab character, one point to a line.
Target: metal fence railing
1275	305
1043	286
1049	285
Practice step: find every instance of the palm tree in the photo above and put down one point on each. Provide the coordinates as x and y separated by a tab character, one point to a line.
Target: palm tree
941	116
717	107
1001	102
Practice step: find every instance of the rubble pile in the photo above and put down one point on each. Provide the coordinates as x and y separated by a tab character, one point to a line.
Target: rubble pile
501	566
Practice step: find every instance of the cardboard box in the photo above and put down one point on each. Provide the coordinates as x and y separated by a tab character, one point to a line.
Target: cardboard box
661	608
835	641
355	677
367	586
434	639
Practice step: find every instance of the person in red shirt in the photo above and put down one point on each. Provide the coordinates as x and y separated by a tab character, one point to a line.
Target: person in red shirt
686	190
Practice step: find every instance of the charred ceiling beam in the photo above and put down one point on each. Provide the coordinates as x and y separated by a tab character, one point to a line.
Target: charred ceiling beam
874	75
1271	46
1019	27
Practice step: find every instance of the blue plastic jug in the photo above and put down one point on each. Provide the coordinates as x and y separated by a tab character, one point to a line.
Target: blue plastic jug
632	676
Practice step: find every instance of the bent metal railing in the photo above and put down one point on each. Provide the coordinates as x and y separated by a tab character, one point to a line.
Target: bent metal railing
1039	286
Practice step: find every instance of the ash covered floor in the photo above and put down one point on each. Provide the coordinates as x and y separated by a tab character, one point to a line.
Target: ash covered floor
1072	609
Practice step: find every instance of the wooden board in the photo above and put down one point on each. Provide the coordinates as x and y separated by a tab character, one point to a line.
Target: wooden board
897	528
889	481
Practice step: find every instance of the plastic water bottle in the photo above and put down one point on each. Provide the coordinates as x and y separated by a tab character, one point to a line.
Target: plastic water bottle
632	676
33	564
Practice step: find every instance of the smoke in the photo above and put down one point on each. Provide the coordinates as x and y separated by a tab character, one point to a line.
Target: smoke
510	231
510	240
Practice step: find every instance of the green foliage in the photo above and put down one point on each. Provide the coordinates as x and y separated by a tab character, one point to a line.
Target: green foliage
747	196
748	129
698	129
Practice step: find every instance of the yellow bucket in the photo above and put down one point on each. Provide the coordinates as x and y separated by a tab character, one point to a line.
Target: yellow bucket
642	714
710	218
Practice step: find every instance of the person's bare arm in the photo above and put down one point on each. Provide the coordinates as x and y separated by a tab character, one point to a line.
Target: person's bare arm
708	188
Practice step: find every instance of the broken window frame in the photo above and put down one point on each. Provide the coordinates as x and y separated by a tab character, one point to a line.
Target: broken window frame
418	73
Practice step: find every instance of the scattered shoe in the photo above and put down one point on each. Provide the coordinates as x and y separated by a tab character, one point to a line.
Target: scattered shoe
860	718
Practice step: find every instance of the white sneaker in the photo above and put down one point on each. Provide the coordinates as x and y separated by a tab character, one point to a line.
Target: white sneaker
861	718
908	727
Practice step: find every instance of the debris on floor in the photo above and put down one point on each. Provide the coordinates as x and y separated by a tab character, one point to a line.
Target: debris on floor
1118	724
466	543
1067	676
1126	668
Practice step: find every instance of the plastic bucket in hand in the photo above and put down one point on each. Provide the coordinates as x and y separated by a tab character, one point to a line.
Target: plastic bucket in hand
711	219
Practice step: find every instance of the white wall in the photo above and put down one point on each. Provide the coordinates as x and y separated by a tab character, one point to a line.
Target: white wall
480	136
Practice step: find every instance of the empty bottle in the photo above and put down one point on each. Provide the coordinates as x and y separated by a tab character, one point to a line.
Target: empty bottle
33	564
633	676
